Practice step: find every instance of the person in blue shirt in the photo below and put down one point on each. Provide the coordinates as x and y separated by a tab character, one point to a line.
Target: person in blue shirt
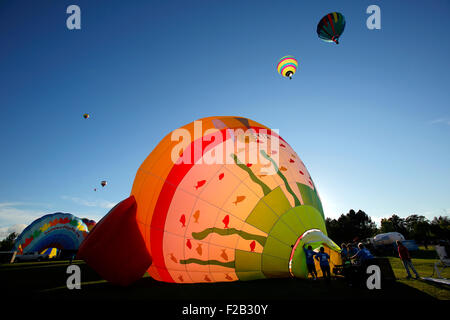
351	250
363	255
323	259
310	261
344	252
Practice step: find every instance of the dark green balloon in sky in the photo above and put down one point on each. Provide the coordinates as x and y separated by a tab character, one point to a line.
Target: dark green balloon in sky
331	27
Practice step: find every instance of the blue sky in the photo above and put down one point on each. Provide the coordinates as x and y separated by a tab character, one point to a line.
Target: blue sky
369	117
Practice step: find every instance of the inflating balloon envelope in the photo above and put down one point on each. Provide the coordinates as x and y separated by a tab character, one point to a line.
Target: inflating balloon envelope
228	201
56	230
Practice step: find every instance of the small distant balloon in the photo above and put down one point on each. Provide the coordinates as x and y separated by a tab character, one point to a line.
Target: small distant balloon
331	27
86	115
103	183
287	66
95	189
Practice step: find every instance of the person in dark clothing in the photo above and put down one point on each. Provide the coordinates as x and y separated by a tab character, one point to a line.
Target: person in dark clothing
310	262
404	255
363	254
323	259
351	250
364	259
344	252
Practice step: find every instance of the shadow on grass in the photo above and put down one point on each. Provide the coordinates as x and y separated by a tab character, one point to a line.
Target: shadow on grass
48	281
437	285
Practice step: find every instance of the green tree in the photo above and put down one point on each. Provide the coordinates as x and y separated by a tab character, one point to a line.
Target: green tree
440	228
394	224
352	226
7	244
418	227
334	230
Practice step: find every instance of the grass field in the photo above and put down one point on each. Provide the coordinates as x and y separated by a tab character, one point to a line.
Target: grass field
47	281
425	269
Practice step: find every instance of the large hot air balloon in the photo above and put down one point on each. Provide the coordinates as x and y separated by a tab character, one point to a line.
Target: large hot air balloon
287	66
103	183
331	27
56	230
86	115
229	201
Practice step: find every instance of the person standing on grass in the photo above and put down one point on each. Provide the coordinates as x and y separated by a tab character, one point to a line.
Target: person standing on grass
310	262
344	252
404	255
323	259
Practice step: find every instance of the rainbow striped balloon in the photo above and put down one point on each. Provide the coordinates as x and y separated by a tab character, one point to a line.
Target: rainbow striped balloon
287	66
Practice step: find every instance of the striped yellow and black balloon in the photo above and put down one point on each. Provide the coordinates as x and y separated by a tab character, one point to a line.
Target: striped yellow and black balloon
331	27
287	66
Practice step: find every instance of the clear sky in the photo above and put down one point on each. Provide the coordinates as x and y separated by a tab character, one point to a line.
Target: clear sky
369	117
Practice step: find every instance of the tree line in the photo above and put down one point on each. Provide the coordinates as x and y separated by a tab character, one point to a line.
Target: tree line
356	226
7	244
